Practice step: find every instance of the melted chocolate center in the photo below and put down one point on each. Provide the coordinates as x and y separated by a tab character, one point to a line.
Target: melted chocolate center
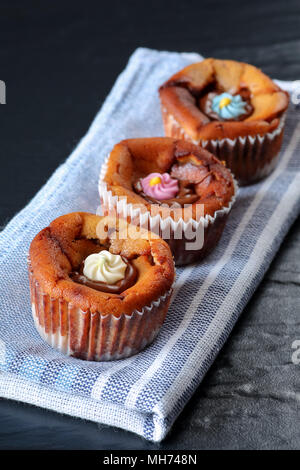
117	288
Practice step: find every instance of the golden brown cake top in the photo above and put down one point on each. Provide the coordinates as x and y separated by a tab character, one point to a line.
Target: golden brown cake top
202	178
186	97
59	250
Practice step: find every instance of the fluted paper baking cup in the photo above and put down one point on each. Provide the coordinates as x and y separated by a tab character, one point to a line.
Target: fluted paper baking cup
94	336
250	158
189	240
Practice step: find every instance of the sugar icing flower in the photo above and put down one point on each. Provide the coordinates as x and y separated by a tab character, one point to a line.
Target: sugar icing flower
160	186
228	106
105	267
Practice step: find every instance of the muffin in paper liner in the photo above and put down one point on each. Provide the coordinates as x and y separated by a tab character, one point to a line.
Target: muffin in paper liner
250	158
93	334
230	108
190	240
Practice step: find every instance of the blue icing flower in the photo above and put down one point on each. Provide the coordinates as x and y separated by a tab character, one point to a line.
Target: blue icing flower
228	106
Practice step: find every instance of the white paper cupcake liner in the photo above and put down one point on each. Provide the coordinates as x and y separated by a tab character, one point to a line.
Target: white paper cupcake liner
249	158
178	234
95	336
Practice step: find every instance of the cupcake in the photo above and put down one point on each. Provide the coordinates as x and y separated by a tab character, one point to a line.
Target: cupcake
230	108
100	289
172	187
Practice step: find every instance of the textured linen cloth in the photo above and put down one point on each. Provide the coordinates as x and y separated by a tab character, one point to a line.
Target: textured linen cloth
144	393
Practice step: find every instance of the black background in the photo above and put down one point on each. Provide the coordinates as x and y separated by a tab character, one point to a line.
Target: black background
59	60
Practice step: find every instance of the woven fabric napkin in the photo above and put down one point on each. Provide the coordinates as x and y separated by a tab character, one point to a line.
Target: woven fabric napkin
144	393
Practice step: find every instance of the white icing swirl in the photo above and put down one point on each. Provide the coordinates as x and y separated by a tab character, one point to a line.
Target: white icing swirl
105	267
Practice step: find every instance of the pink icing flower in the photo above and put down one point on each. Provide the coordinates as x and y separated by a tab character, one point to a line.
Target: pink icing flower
160	186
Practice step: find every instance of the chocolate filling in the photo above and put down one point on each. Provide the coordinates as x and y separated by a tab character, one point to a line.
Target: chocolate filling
117	288
190	172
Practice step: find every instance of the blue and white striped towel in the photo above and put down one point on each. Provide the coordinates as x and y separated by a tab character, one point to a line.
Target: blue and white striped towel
144	393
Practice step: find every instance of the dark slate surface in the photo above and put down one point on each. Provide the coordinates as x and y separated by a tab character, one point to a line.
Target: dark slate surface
59	60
